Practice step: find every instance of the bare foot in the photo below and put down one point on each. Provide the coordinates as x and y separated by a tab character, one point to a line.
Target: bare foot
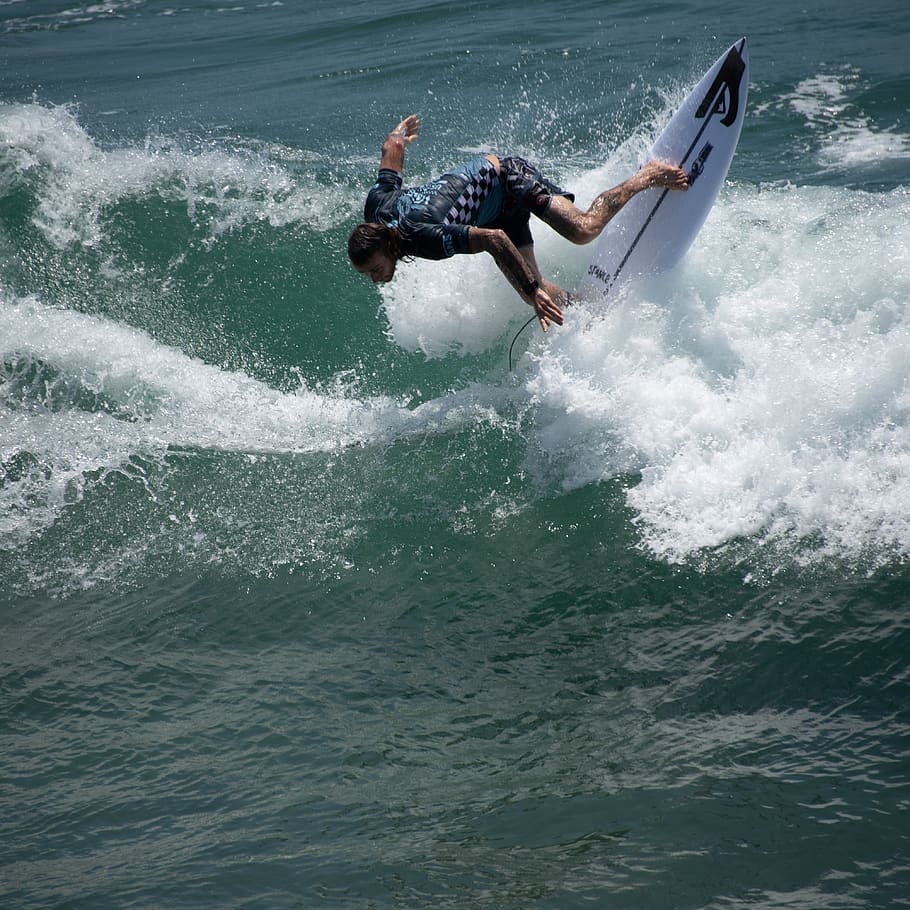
659	174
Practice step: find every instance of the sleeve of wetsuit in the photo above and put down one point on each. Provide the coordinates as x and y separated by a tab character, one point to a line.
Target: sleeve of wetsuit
436	241
387	184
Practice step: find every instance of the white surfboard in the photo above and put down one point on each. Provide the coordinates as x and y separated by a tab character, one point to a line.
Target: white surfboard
653	230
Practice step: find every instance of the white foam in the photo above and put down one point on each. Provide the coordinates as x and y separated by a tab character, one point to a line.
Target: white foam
77	14
85	394
761	389
857	143
819	97
851	139
461	305
77	181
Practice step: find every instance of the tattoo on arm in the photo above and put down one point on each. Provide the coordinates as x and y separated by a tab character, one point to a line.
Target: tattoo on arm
507	257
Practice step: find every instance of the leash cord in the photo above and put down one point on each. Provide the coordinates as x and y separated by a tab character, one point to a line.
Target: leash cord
517	335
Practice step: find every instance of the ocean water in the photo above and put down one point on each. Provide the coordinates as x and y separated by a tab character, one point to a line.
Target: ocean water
307	601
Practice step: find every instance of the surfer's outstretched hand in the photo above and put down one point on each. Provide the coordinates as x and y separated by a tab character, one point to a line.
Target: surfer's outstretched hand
408	129
660	174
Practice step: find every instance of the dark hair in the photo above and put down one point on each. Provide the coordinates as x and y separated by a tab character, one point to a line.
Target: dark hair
367	239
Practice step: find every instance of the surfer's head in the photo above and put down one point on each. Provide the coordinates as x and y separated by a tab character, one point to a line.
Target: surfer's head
373	251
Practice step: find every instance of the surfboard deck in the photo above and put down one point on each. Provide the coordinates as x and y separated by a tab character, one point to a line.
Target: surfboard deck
653	231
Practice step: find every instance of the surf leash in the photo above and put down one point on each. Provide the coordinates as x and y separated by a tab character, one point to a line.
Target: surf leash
517	335
570	300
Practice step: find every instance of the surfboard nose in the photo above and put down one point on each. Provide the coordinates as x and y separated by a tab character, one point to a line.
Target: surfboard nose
652	232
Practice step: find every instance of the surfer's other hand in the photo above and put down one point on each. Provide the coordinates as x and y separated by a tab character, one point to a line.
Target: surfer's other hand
546	308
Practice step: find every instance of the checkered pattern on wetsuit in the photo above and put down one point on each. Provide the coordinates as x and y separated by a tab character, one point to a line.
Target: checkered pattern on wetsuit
469	202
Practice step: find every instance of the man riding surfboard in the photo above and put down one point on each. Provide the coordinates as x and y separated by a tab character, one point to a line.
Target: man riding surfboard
483	205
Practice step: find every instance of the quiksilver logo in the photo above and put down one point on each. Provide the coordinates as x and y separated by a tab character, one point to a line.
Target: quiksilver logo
726	85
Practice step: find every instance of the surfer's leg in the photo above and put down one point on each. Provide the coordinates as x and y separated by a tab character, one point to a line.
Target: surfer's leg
582	227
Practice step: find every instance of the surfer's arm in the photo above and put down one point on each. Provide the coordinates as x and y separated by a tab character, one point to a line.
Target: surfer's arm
512	264
397	141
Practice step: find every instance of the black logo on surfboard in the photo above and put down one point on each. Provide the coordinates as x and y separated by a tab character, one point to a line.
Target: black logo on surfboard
698	165
725	85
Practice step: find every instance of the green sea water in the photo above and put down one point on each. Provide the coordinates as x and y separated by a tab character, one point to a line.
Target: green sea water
307	601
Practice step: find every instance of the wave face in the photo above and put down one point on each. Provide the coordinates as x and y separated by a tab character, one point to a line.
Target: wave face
756	394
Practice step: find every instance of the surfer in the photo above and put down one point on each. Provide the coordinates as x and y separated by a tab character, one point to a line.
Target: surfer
483	206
